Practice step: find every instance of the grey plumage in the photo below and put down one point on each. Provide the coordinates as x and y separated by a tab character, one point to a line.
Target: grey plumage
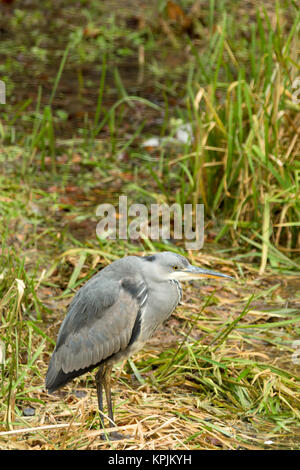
114	314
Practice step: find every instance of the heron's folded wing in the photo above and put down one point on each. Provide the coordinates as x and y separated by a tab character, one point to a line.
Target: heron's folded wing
101	321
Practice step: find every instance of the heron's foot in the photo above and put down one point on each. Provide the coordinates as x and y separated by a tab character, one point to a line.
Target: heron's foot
115	436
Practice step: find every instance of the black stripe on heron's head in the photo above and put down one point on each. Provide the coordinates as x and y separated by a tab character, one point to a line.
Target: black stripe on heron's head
150	258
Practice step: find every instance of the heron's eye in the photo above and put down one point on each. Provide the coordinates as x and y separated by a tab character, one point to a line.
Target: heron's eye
175	267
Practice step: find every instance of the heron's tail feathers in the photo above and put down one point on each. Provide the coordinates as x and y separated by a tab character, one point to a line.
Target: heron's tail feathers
57	378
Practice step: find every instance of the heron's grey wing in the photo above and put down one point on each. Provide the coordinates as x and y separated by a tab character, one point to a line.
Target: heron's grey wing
102	319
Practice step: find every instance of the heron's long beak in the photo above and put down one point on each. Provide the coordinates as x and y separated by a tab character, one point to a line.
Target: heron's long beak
193	272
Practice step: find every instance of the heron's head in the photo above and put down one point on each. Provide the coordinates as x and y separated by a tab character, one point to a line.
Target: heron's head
168	266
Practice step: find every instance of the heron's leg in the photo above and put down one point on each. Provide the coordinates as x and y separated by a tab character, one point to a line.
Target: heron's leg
105	377
99	382
114	435
107	388
103	380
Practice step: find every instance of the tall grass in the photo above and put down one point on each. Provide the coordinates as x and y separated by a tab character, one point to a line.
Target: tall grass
244	165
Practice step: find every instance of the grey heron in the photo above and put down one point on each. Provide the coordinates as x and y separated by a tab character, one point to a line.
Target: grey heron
114	314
